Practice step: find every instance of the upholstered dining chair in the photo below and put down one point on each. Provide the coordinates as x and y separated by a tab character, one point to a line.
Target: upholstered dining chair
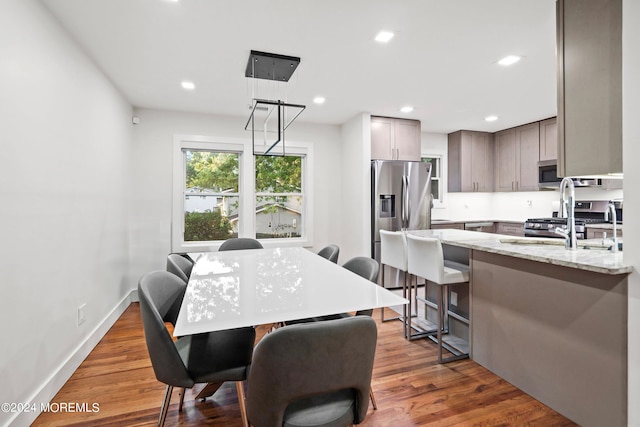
312	374
213	357
180	266
330	252
240	243
367	268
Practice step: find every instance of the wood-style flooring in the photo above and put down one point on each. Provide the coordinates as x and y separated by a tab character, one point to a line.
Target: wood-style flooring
411	388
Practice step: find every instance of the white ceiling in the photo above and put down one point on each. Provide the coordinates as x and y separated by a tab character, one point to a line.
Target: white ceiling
442	59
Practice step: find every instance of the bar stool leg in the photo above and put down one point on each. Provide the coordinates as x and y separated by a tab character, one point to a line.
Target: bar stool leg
440	325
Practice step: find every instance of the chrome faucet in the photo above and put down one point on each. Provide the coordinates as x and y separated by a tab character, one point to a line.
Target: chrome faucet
571	242
611	210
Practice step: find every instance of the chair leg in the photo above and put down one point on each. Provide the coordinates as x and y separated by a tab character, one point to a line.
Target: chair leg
373	399
165	405
241	403
182	391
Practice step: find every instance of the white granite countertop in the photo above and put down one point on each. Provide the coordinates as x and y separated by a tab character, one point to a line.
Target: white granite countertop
546	250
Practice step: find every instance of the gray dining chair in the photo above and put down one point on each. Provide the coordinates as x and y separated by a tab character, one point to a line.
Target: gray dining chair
213	357
330	252
180	266
312	374
240	243
367	268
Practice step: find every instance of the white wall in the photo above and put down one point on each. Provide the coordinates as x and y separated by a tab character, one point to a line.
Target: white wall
152	178
631	150
66	135
356	187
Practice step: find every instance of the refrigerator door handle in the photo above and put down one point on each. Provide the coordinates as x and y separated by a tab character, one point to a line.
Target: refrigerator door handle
405	200
408	203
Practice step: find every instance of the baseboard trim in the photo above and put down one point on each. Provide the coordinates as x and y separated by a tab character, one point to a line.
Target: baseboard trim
54	383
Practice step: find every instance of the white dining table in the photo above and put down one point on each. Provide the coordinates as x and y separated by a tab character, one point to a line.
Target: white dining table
233	289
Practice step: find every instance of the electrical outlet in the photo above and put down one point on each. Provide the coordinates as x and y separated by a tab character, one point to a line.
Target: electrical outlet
82	314
454	299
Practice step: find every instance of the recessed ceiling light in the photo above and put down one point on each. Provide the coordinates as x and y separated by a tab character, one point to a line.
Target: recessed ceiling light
384	36
491	118
188	85
509	60
319	100
406	109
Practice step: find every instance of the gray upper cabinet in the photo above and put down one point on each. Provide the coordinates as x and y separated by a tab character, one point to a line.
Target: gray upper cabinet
470	161
516	158
589	49
395	139
549	139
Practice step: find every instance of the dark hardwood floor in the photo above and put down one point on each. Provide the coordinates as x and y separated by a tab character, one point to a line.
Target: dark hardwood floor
411	388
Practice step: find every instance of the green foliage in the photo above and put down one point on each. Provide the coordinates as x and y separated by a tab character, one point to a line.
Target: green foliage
216	171
205	226
279	174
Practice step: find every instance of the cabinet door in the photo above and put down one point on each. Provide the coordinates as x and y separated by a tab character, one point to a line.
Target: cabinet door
505	153
382	138
549	139
589	52
528	147
481	160
407	140
453	225
510	229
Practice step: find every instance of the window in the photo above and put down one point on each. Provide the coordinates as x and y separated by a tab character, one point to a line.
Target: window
436	178
279	207
211	195
221	190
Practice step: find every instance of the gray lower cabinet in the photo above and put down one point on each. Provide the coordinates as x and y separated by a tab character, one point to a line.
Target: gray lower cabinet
598	233
454	225
589	52
470	161
395	139
482	226
510	228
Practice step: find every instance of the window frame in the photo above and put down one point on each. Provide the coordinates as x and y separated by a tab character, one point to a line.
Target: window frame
246	190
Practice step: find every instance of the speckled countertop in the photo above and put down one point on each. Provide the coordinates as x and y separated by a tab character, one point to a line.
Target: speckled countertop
545	250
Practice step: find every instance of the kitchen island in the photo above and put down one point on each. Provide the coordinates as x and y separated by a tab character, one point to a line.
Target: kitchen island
550	321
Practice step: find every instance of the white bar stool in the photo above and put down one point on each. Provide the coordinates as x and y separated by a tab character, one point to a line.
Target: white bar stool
393	253
426	259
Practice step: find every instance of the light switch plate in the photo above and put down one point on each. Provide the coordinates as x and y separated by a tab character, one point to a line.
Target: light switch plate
454	298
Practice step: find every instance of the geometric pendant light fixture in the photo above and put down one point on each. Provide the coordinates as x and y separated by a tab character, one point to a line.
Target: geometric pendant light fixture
270	118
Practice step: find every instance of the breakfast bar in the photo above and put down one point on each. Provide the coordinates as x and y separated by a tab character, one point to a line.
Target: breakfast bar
551	321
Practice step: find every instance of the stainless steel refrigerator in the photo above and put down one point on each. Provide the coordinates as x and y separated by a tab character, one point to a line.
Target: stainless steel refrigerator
400	200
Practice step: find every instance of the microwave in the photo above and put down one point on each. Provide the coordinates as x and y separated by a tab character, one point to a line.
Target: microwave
548	178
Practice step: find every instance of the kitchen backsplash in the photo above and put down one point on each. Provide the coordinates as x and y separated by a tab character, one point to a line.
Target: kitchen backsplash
511	206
